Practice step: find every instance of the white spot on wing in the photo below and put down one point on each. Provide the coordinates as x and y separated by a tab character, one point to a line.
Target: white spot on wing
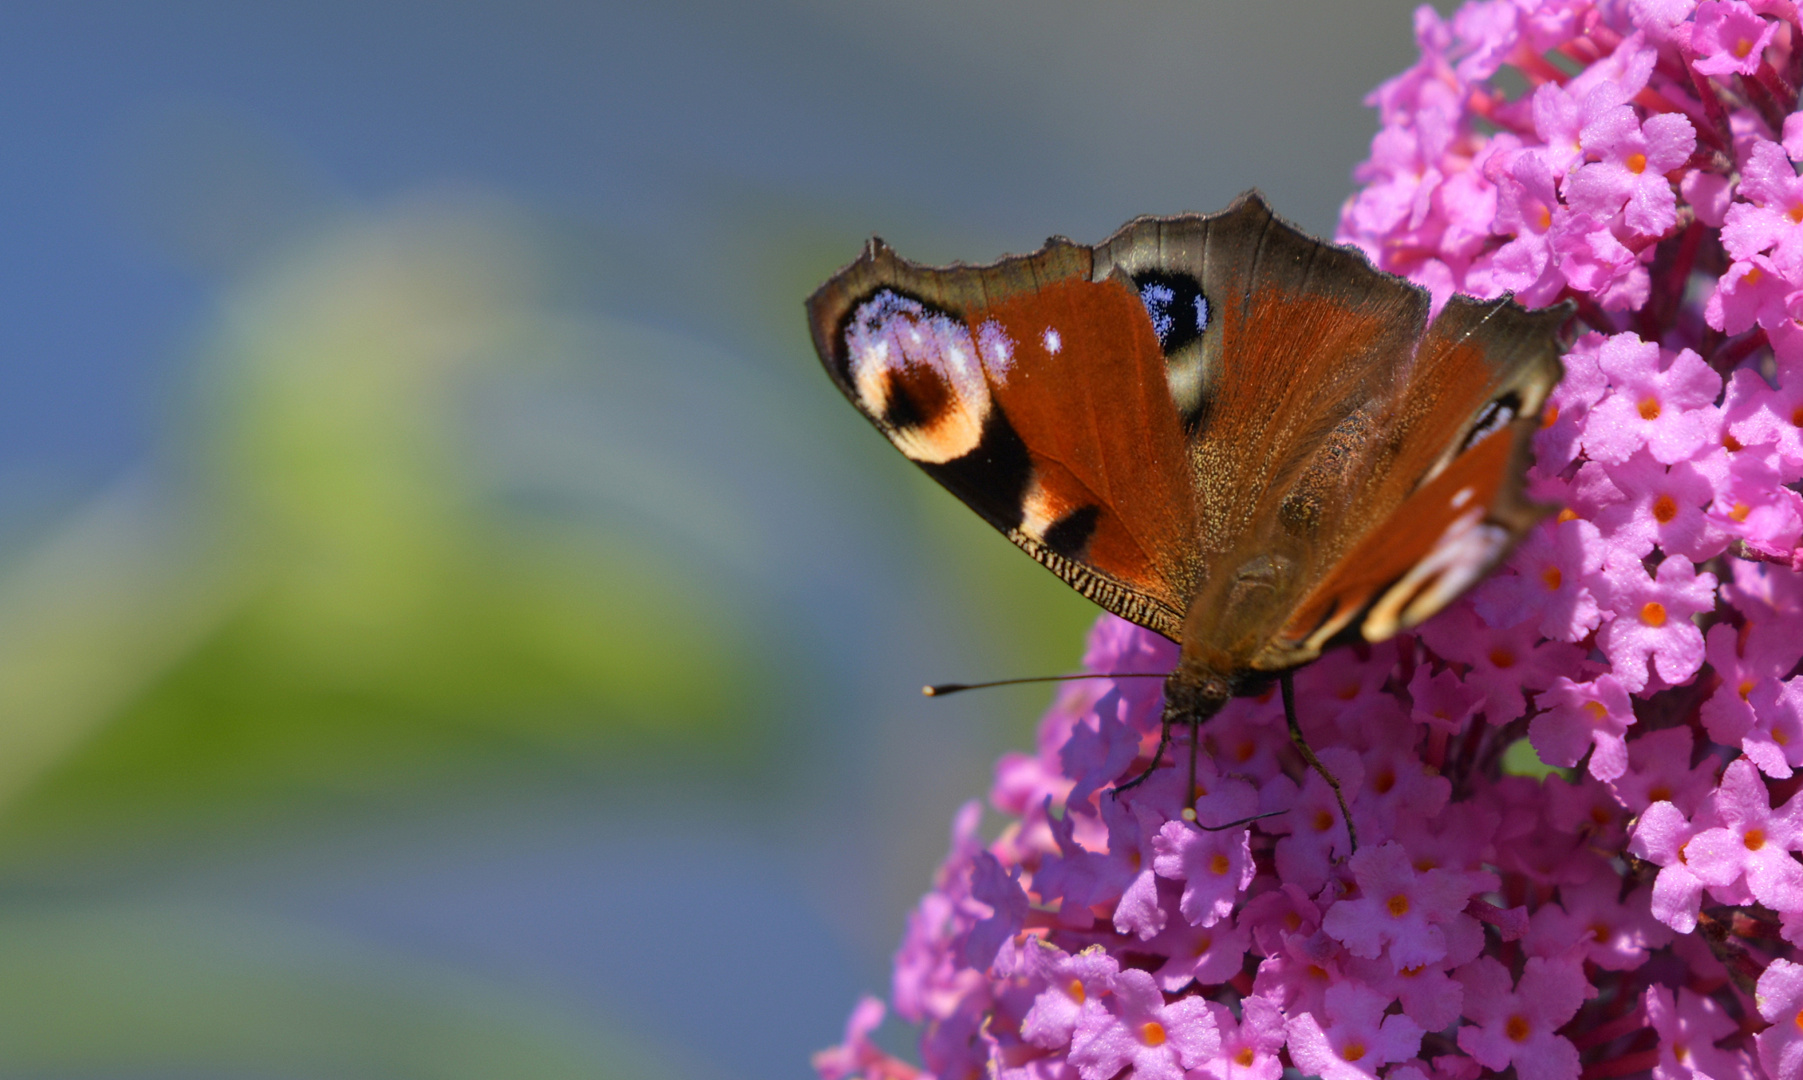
1495	417
1184	377
1462	496
997	350
1465	551
1052	342
1037	512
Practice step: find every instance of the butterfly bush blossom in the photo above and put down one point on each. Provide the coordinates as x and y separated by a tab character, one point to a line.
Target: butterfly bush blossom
1635	912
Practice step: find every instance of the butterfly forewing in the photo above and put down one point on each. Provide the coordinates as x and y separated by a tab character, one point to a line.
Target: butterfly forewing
1039	397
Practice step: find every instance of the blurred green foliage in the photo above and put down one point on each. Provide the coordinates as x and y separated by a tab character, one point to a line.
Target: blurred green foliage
316	591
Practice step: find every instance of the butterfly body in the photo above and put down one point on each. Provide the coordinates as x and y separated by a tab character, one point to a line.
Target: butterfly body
1214	426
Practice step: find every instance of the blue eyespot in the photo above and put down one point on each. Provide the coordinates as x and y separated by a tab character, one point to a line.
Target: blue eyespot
1158	298
1176	306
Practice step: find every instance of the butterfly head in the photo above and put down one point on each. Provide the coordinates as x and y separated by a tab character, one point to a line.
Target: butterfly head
1193	694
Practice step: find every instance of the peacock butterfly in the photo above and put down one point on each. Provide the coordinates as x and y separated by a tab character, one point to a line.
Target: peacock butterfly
1216	426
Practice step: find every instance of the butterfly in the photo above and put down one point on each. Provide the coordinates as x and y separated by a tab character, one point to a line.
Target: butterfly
1215	426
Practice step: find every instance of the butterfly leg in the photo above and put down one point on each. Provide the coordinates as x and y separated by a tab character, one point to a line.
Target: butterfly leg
1164	740
1234	824
1195	744
1308	755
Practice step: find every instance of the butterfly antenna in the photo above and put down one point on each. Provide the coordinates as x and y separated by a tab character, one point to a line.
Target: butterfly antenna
942	689
1308	755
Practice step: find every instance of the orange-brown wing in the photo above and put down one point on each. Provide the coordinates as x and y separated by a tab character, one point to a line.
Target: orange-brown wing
1451	503
1282	393
1321	407
1213	425
1304	340
1040	397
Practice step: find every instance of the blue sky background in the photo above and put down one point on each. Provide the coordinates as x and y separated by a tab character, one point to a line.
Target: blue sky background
448	626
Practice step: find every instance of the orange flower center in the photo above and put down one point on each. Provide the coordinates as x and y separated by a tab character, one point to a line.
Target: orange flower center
1742	46
1665	508
1219	865
1517	1028
1244	1057
1796	416
1502	657
1653	613
1659	794
1323	821
1074	991
1353	1050
1568	514
1601	931
1595	710
1745	688
1755	839
1740	512
1636	163
1151	1033
1649	408
1384	782
1552	578
1752	276
1398	905
1734	446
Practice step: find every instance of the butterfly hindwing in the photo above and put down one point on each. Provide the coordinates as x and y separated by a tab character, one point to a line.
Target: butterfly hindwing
1453	503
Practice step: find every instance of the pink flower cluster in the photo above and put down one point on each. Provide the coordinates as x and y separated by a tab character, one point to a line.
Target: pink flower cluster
1634	912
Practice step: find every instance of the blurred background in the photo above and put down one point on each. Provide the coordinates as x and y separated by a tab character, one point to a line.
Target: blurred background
449	626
